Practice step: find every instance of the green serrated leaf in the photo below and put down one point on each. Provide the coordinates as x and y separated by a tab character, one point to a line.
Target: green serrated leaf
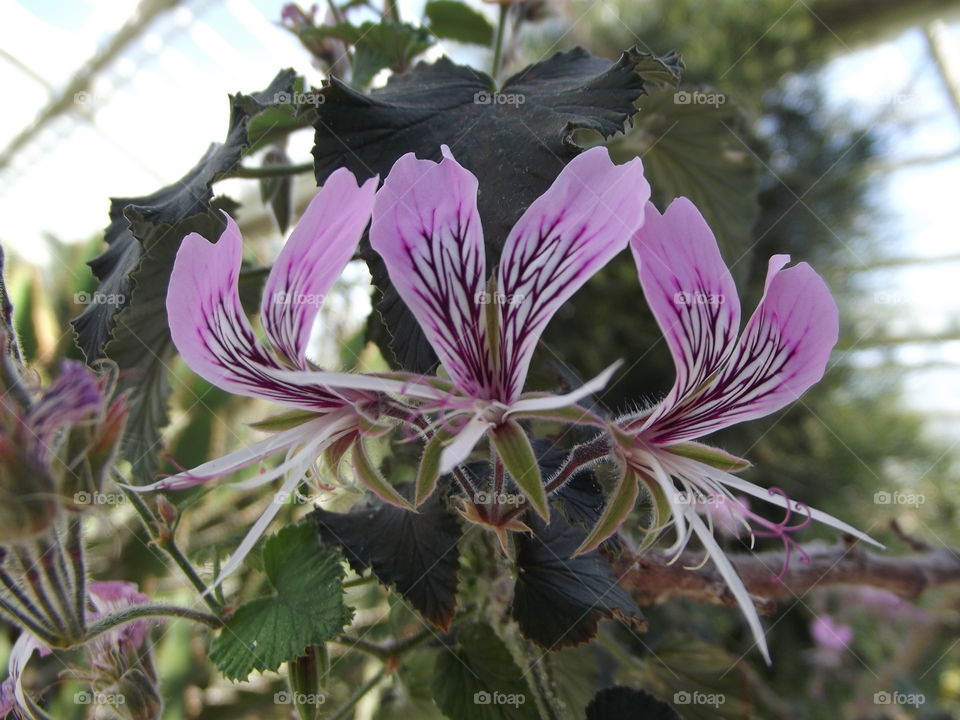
514	448
618	506
306	609
480	681
455	21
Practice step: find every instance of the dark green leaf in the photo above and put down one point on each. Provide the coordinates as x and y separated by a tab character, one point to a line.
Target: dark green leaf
306	609
128	322
455	21
414	552
623	703
515	142
559	600
480	681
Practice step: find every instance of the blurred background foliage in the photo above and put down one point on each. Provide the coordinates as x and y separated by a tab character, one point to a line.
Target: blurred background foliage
777	171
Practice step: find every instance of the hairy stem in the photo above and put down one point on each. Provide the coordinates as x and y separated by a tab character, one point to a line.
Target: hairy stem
138	612
169	546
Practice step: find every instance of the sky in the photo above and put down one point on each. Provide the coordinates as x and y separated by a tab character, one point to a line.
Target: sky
154	110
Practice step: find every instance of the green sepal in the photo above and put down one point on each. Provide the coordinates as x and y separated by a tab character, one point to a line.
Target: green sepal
514	448
429	471
370	476
618	506
714	457
285	420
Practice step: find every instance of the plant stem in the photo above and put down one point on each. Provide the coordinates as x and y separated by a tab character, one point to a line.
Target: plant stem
391	11
578	458
498	477
270	171
136	612
582	455
335	12
169	546
498	46
358	695
386	651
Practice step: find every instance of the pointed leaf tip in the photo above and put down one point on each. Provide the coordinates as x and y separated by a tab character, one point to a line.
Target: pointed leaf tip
619	505
515	450
370	476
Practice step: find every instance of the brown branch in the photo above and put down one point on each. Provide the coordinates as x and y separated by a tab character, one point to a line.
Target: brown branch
651	580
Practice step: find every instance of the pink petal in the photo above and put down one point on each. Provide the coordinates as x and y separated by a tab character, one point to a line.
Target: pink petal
784	350
319	248
427	229
566	235
212	333
690	291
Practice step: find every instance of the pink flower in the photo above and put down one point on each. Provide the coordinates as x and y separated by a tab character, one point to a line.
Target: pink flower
723	377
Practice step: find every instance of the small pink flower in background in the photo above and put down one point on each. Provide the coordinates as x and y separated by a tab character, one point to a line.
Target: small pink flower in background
830	635
831	640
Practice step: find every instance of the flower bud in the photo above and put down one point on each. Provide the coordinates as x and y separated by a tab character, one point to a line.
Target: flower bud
306	675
